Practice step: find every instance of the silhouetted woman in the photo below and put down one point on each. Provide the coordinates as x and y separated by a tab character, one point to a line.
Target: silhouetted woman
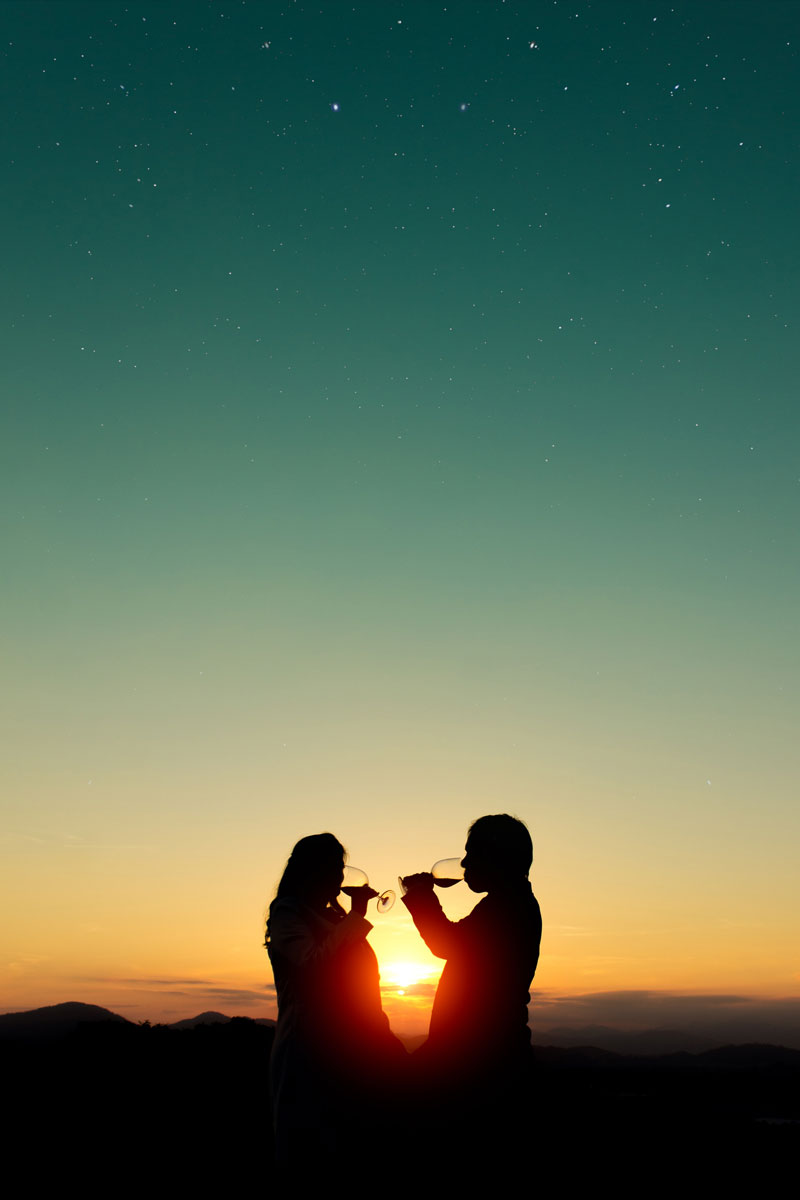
333	1047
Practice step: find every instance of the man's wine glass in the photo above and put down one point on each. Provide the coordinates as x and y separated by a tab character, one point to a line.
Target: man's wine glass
447	872
355	878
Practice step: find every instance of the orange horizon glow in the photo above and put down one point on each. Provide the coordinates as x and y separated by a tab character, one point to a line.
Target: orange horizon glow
402	974
772	1015
408	985
167	951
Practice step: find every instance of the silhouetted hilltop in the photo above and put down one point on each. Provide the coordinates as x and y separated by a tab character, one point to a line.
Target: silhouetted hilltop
724	1058
59	1020
756	1055
205	1018
216	1018
55	1020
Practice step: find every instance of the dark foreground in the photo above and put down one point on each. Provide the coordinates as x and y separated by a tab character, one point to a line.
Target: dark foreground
110	1108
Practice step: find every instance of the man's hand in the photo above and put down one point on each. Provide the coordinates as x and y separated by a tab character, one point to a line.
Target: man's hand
421	882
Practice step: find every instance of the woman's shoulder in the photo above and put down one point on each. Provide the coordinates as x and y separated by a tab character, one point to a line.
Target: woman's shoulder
289	912
287	908
293	926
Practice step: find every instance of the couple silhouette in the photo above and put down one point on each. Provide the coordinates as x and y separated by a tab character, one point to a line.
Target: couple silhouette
339	1078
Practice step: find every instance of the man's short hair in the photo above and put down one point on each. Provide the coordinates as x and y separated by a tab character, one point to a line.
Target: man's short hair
506	839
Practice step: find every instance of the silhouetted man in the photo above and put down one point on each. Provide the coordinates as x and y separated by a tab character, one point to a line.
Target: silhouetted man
476	1060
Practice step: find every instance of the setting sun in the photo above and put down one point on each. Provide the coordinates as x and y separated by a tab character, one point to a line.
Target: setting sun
403	974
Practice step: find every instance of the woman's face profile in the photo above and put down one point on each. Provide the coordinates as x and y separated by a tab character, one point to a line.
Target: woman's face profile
331	881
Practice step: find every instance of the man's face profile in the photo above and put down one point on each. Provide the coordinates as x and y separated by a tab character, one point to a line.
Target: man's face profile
479	871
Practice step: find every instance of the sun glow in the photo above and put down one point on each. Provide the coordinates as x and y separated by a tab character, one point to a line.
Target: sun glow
403	974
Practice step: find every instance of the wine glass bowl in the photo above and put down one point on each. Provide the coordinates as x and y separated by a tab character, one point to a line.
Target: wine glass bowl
447	872
444	874
355	878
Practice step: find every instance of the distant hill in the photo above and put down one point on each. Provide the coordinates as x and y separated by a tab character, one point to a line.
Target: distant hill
205	1018
56	1020
620	1041
59	1020
216	1018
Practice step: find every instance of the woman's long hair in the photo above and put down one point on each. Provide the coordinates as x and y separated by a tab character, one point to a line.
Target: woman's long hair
311	857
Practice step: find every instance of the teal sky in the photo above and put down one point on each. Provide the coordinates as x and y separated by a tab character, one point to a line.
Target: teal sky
401	424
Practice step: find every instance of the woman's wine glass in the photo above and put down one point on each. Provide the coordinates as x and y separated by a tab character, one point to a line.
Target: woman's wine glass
355	878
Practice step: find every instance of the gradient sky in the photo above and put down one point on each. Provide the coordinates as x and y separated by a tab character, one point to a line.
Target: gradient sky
400	424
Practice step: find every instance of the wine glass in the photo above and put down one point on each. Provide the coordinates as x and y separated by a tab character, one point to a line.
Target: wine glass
355	878
445	873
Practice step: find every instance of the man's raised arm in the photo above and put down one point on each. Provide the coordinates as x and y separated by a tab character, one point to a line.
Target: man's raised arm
438	933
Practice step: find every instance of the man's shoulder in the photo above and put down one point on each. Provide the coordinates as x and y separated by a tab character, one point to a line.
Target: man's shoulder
518	908
515	899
